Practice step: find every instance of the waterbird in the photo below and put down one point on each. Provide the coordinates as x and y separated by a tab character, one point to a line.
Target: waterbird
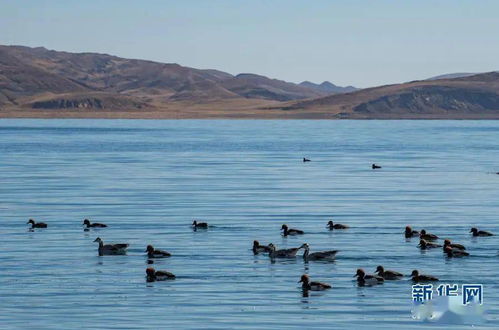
306	160
455	252
199	225
477	232
416	277
290	231
317	256
410	233
369	279
374	166
87	223
312	286
425	245
388	274
448	242
284	253
257	248
158	275
332	225
153	253
36	224
111	249
427	236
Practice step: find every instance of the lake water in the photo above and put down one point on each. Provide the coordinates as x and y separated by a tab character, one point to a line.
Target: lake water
149	179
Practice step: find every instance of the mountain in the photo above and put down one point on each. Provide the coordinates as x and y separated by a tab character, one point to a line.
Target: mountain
475	96
452	75
328	87
27	74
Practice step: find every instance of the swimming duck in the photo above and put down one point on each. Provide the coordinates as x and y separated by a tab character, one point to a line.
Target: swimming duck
199	225
425	245
87	223
477	232
153	253
388	274
36	224
427	236
284	253
312	286
306	160
448	242
332	225
374	166
257	248
292	232
363	278
410	233
416	277
318	256
455	252
158	275
110	249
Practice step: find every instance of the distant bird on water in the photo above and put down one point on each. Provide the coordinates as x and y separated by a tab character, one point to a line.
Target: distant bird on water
427	236
158	275
306	160
312	286
448	242
410	233
416	277
87	223
284	253
111	249
425	245
388	274
318	256
199	225
332	225
290	231
258	248
374	166
363	278
153	253
477	232
36	224
455	252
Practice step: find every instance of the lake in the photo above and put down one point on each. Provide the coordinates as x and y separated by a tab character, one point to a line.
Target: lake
148	179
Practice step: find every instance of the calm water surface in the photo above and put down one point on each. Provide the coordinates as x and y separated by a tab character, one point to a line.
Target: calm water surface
148	179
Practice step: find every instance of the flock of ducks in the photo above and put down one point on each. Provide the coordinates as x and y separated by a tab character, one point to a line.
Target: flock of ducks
426	242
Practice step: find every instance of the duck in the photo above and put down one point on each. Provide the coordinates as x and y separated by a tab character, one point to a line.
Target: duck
427	236
448	242
455	252
410	233
111	249
477	232
318	256
332	225
363	278
388	274
313	286
153	253
87	223
284	253
257	248
306	160
287	231
158	275
36	224
416	277
374	166
425	245
199	225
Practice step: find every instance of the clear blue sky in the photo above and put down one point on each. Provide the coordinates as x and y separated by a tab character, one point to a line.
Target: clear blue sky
363	43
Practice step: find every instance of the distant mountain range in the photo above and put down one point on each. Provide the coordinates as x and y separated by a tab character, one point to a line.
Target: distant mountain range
36	82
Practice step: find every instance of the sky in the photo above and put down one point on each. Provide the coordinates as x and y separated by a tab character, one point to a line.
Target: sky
348	42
